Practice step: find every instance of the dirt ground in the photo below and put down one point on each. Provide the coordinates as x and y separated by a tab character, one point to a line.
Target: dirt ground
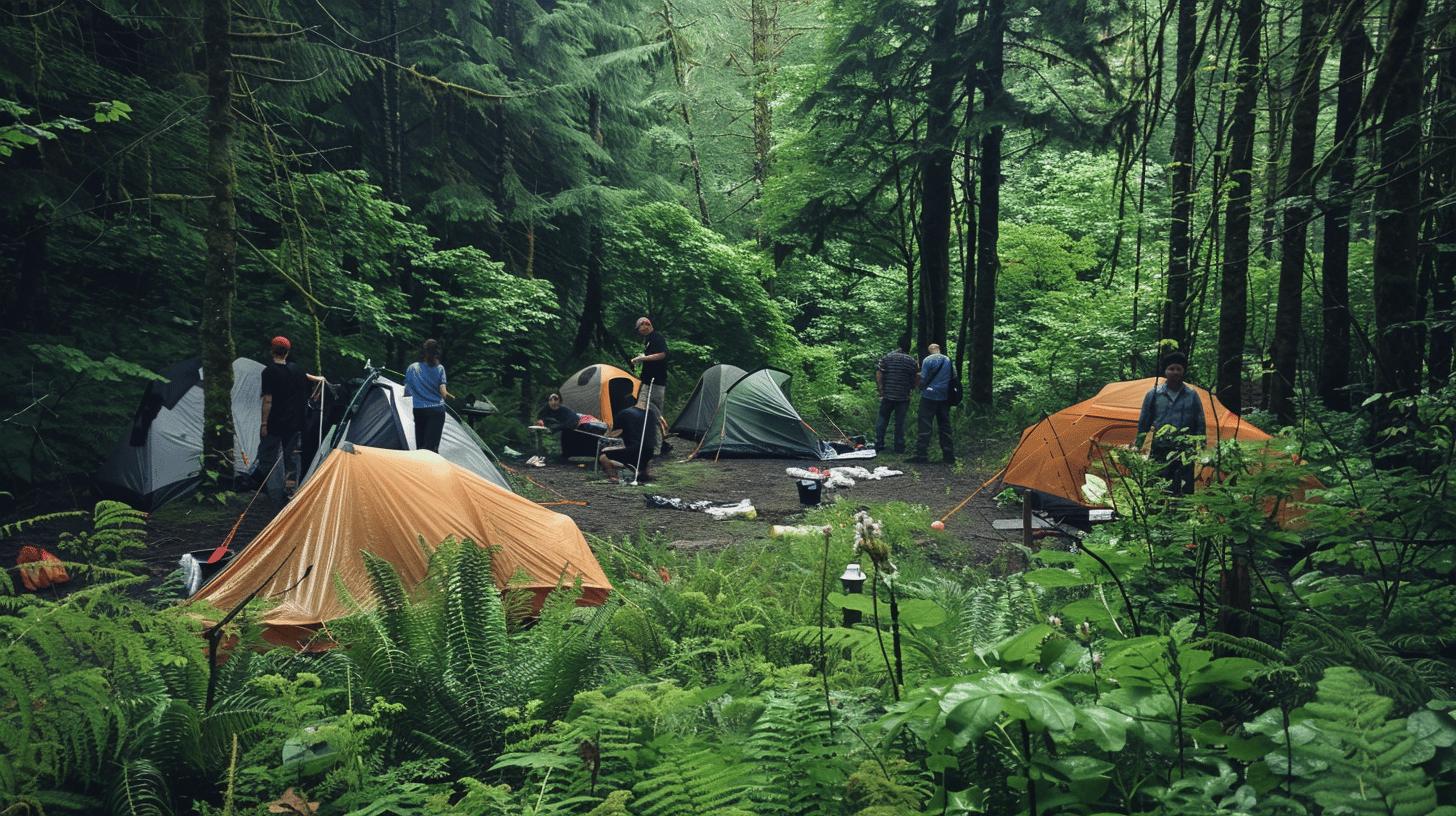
620	510
617	511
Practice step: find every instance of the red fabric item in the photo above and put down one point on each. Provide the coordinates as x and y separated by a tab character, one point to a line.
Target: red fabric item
39	569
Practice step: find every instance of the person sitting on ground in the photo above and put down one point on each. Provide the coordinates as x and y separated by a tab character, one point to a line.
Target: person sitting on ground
424	381
1173	413
638	430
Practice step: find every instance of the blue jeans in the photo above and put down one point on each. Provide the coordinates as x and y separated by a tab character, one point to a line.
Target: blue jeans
270	449
888	407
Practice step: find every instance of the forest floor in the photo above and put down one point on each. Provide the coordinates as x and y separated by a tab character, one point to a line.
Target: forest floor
618	511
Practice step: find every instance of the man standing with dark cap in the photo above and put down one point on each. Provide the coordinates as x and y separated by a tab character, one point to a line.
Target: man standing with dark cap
285	405
654	373
1173	414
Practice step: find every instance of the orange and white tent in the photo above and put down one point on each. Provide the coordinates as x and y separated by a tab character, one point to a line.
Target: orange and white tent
1056	454
385	502
598	389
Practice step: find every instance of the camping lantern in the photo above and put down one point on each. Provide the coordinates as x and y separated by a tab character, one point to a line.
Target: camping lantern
853	581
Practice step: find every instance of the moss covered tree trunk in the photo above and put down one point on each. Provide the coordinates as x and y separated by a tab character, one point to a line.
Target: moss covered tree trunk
220	278
936	180
1180	236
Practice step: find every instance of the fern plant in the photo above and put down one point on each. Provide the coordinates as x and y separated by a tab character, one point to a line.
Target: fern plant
1346	754
445	654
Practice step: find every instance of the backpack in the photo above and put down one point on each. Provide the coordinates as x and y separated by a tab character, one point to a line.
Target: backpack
953	394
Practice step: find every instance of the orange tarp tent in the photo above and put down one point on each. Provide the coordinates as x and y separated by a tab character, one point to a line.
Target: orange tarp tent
384	502
594	389
1056	454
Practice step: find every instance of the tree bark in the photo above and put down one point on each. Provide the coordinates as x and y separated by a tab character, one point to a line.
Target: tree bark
968	266
936	180
680	76
1233	310
1298	195
592	327
220	278
1397	223
1443	290
1180	237
988	225
761	32
1334	375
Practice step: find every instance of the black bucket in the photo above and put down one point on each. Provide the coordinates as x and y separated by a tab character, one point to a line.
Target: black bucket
810	491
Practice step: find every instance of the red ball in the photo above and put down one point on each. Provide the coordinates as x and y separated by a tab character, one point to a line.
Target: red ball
937	525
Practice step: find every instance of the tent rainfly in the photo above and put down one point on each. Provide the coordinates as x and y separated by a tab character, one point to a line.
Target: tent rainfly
385	502
381	416
160	458
757	419
706	399
1056	454
597	388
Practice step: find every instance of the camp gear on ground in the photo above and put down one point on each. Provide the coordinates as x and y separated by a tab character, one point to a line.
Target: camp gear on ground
811	491
598	390
843	476
704	401
785	530
381	415
718	510
386	502
160	458
39	569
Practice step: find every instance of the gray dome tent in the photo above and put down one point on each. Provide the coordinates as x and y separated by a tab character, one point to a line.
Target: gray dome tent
160	459
757	419
706	399
381	416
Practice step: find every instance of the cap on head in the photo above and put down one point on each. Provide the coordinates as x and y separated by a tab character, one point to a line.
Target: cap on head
281	342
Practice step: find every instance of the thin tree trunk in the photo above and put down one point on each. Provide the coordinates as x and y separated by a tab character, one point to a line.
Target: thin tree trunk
1397	222
1443	290
592	327
936	179
1180	238
680	76
1233	309
968	265
1298	194
1334	375
761	34
1274	130
390	133
987	261
220	279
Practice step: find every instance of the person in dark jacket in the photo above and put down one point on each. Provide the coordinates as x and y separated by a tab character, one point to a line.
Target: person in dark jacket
936	374
1173	414
285	392
638	430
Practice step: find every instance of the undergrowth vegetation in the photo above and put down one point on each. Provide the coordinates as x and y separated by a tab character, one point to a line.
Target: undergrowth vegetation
1277	643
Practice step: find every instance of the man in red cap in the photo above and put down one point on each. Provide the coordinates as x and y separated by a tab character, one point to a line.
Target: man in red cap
285	405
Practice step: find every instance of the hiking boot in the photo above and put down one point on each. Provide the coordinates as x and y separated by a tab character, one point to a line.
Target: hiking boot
666	449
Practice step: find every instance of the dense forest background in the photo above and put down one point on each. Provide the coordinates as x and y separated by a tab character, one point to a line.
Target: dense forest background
1053	194
1058	193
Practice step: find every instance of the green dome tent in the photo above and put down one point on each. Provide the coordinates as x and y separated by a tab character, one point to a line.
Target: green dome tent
706	399
757	419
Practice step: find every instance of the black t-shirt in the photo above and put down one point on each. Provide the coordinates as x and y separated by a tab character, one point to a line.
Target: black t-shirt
631	422
562	419
655	370
288	385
